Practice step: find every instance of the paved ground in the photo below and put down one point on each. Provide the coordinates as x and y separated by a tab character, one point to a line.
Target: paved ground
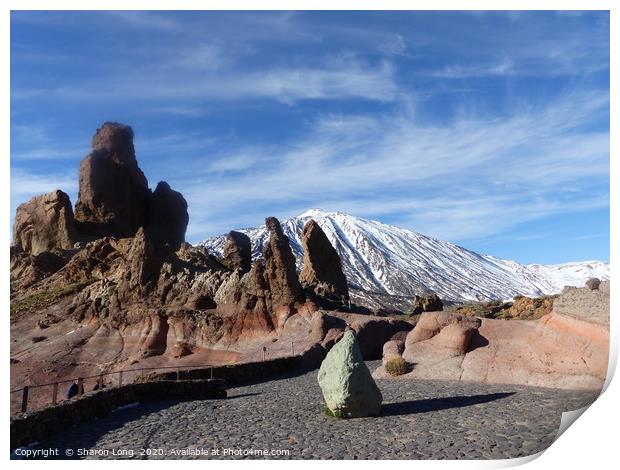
420	420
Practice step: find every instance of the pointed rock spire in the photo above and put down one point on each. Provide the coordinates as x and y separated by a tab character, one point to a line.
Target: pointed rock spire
322	269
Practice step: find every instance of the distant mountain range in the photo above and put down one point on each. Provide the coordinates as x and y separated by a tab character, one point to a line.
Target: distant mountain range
387	265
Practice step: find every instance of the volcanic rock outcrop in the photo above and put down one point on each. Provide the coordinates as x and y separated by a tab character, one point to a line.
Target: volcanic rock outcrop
237	252
117	284
44	223
167	216
567	348
322	269
280	272
113	195
427	303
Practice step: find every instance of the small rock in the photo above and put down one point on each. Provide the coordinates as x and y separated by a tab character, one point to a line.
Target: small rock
427	303
593	283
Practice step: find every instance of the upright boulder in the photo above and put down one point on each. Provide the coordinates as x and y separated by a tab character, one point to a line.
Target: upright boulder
113	194
347	385
45	222
167	216
237	252
280	271
322	268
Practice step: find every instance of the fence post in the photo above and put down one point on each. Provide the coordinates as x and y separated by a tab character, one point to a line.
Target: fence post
25	399
211	372
178	372
100	381
80	386
120	378
55	394
264	351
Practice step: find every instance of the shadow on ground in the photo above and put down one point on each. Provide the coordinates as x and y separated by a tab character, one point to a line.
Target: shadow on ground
436	404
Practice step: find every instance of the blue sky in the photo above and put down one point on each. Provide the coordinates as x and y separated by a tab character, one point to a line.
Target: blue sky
488	129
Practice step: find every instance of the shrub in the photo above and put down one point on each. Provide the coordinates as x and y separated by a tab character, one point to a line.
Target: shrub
396	365
43	299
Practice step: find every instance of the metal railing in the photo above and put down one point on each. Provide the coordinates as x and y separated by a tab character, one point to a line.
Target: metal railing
21	405
26	391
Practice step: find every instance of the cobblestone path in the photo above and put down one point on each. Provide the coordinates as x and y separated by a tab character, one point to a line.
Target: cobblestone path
421	419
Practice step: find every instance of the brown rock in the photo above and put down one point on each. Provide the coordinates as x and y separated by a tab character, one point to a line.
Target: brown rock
322	268
113	193
280	272
45	222
372	332
593	283
237	252
427	303
248	309
144	263
167	217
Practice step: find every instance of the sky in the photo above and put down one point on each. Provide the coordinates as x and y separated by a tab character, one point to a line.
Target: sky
487	129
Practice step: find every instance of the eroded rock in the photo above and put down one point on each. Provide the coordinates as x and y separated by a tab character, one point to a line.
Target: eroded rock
44	223
237	252
167	215
280	273
322	268
347	385
113	192
427	303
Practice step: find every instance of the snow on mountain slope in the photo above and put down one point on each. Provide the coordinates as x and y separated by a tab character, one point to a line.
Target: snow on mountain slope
383	260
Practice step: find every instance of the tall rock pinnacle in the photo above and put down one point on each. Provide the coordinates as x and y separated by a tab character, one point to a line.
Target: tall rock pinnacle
322	269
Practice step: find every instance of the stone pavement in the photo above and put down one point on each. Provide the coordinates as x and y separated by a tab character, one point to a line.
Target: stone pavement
421	419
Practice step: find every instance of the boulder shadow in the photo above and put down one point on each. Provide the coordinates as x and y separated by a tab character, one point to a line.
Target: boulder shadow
477	341
242	395
437	404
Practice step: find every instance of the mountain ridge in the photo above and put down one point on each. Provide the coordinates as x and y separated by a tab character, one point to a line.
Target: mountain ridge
384	260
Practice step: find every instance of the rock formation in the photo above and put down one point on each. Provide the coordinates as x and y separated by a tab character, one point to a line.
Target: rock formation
44	223
167	215
593	283
322	269
117	284
113	194
237	252
439	336
427	303
348	388
280	272
567	348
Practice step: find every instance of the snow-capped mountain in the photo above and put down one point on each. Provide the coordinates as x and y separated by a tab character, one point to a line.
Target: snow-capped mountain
381	260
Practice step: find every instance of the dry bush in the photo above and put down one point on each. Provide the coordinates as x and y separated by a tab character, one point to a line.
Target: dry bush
396	365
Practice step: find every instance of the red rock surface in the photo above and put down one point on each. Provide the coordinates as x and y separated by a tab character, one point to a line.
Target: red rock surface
567	348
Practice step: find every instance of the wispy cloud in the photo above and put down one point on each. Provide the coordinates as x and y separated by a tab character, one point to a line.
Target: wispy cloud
339	79
502	68
475	177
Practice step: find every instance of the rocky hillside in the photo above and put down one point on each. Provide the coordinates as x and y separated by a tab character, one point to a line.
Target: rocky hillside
112	282
389	265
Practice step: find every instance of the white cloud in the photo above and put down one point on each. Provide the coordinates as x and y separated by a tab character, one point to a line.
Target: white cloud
471	178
